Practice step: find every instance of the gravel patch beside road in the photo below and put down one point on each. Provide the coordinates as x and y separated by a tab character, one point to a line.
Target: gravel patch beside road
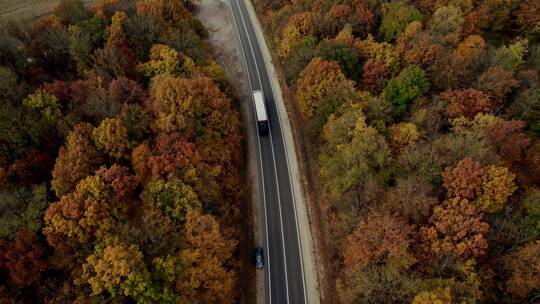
217	19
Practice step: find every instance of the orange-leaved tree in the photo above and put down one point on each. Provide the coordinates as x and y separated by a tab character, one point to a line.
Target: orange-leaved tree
465	180
299	26
457	228
466	102
379	238
76	160
322	87
523	266
207	255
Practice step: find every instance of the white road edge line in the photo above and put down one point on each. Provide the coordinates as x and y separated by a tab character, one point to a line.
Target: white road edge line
260	155
274	160
290	174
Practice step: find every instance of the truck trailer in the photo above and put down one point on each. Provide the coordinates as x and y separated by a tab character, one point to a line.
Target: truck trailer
260	109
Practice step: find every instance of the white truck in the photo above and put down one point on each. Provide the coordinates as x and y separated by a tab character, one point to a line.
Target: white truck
260	109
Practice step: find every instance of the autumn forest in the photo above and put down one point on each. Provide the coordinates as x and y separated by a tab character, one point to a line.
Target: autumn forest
122	152
420	122
120	159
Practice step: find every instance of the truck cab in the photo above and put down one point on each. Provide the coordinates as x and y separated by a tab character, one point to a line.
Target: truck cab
260	111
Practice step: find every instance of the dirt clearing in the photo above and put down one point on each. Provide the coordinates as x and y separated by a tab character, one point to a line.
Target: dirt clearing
25	9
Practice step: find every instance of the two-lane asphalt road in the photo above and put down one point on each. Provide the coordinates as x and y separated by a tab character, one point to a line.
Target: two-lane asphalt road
284	271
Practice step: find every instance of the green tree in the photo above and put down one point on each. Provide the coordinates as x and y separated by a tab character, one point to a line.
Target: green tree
22	208
86	36
71	11
532	219
15	135
173	197
526	106
46	104
345	55
142	32
120	270
396	15
410	84
299	58
446	20
11	87
510	57
345	163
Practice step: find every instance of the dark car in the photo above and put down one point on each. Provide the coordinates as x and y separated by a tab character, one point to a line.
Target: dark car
259	262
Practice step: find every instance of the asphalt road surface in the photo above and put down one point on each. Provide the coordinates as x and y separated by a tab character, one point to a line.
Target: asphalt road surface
284	275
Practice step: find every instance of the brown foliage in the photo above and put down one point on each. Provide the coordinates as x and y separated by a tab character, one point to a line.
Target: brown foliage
466	102
470	50
363	16
35	167
172	12
455	227
378	238
528	16
374	76
524	268
477	20
84	215
498	83
340	11
464	180
75	161
417	46
508	138
66	92
115	60
24	259
139	161
122	182
125	90
532	161
403	135
107	8
411	198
